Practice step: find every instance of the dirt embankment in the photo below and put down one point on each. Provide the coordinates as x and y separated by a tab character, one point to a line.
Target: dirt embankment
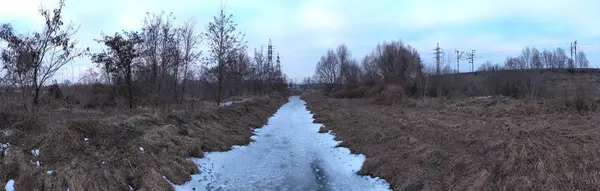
117	153
469	144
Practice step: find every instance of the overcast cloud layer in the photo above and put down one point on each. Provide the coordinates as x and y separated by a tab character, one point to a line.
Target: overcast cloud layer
303	30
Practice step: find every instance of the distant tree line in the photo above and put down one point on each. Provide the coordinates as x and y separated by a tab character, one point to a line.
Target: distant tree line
532	58
160	64
389	63
394	64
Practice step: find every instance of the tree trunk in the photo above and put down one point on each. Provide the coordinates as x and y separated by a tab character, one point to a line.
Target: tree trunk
130	87
219	84
35	85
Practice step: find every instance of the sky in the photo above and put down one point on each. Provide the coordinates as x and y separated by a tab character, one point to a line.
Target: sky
303	30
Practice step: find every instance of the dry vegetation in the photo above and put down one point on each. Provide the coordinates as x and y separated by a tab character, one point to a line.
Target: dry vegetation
153	101
527	125
468	144
114	152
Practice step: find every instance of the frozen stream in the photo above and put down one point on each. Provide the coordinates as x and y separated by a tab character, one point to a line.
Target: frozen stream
288	154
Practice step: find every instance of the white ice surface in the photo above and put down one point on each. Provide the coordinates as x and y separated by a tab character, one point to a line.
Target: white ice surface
288	154
10	185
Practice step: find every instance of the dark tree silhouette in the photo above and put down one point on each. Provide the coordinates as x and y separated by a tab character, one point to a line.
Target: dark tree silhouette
224	44
34	58
119	56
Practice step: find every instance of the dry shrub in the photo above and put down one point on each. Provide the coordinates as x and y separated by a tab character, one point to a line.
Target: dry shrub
516	84
358	92
390	95
98	96
54	91
374	91
582	100
350	92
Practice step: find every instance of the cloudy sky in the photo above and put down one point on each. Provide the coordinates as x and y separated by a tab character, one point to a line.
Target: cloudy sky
302	30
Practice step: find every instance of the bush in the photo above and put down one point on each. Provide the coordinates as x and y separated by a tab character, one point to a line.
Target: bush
98	96
349	91
516	84
54	91
582	101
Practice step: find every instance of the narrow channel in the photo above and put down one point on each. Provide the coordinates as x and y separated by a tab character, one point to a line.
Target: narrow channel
288	153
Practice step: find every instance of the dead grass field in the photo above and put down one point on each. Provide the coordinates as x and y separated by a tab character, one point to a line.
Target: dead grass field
100	150
468	144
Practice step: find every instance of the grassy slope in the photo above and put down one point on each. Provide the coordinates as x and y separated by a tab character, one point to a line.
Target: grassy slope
137	150
469	144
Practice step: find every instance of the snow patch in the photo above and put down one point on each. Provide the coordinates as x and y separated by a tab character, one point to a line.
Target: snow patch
141	148
130	187
482	97
287	154
10	185
49	172
85	139
4	145
35	152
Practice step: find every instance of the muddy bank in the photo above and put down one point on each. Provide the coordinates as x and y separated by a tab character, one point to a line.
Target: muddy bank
144	152
469	144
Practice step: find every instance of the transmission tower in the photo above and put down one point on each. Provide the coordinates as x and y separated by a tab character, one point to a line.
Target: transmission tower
438	53
270	54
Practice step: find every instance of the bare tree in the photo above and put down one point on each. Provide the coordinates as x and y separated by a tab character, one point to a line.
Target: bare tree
487	66
560	58
223	44
514	63
353	73
307	81
371	74
536	59
190	53
37	57
582	61
328	69
121	52
343	57
548	59
90	76
526	55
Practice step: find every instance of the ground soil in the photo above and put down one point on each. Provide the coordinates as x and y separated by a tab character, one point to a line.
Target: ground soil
467	144
102	150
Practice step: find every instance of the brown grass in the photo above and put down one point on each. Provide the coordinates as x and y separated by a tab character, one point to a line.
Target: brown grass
469	144
112	158
323	129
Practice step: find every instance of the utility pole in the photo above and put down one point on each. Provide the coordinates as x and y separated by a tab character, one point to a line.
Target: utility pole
575	50
438	53
458	56
472	60
571	60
